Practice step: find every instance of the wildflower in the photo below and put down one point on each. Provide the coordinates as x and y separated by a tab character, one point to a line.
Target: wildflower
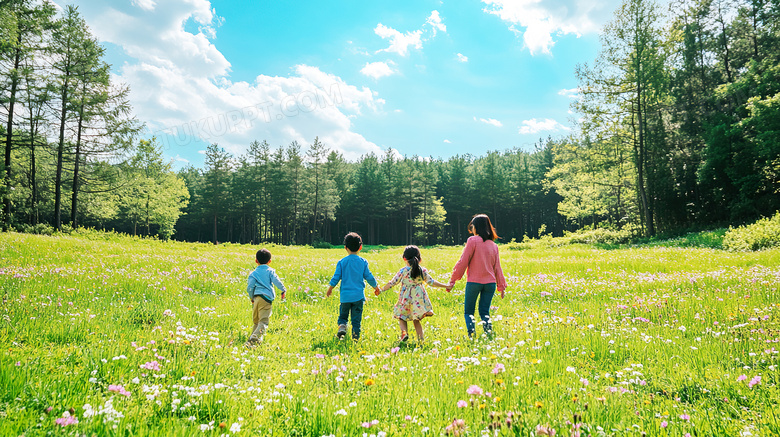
408	417
369	381
235	427
66	420
755	381
584	381
544	430
151	365
538	404
474	390
341	412
685	417
462	404
395	350
664	424
741	377
571	369
498	368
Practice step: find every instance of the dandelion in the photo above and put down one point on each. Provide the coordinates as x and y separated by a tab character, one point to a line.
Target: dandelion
474	390
538	404
369	382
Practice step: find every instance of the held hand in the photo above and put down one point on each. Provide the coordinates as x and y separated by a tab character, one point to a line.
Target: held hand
376	291
448	289
502	294
284	296
330	291
251	301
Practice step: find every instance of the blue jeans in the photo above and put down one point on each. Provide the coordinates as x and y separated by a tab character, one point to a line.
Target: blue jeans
485	294
355	310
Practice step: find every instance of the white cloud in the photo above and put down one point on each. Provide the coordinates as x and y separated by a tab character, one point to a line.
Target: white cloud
399	42
570	93
543	19
462	57
377	70
179	83
490	121
534	126
434	20
448	141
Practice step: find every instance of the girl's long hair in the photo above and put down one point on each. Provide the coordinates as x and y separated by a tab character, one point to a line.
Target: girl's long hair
482	227
412	255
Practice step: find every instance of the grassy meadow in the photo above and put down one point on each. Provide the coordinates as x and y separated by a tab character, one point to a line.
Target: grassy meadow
110	335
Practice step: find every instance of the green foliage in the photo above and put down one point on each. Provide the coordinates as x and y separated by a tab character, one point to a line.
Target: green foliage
763	234
590	236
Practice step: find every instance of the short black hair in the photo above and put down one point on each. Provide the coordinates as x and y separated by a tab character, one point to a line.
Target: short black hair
263	256
352	241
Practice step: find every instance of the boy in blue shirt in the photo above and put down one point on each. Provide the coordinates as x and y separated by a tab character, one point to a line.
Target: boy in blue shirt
351	271
260	287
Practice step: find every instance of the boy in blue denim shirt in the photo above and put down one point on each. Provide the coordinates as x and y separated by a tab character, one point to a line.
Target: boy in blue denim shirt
260	288
351	271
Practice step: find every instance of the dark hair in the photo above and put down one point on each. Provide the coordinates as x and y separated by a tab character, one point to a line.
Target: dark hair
482	227
263	256
352	241
412	255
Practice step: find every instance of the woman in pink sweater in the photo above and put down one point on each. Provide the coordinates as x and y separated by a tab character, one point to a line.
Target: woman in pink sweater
484	275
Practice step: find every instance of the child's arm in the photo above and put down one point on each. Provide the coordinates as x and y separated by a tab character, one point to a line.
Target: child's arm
432	282
393	281
278	283
334	280
250	287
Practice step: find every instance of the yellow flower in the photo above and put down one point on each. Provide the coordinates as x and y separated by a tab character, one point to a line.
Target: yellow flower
459	382
186	342
647	402
493	357
369	381
481	406
538	404
537	382
193	373
496	399
499	381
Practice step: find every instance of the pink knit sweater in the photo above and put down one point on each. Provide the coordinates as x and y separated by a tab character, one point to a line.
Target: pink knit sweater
481	260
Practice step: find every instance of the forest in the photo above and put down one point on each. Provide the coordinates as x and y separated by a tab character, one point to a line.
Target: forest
678	128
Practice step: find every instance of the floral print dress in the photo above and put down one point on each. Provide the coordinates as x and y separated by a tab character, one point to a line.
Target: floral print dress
413	302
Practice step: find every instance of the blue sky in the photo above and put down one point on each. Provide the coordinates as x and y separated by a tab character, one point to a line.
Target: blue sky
430	78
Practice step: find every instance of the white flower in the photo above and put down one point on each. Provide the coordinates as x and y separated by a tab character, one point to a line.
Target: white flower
571	369
235	428
341	412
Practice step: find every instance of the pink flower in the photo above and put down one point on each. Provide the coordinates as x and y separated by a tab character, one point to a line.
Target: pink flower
498	368
365	425
544	430
119	389
66	420
755	381
584	381
462	404
408	417
664	424
685	417
395	350
151	365
741	377
474	390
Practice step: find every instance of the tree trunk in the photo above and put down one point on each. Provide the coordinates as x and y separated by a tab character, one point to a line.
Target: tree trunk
75	191
60	153
9	136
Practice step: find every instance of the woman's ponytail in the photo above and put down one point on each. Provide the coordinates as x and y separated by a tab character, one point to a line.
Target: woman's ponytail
413	257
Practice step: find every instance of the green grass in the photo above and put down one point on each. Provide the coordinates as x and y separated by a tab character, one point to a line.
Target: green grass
650	339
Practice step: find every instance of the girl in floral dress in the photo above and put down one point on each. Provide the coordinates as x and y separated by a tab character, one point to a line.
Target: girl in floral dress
413	302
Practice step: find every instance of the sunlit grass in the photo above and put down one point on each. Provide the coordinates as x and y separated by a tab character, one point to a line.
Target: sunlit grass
660	340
